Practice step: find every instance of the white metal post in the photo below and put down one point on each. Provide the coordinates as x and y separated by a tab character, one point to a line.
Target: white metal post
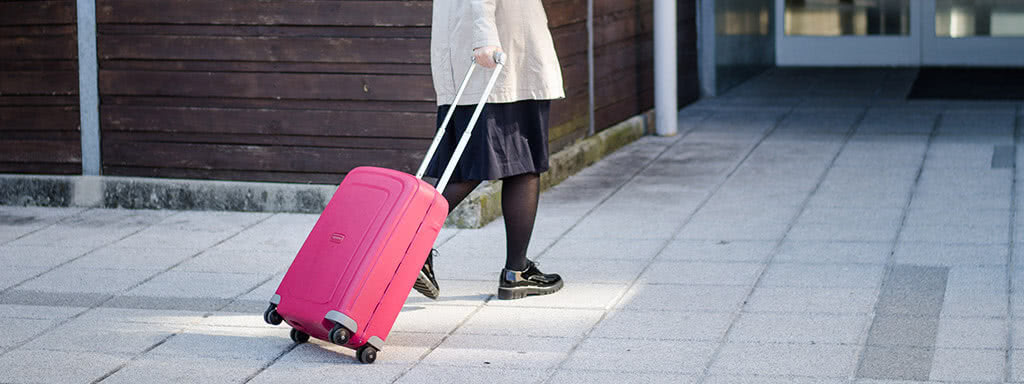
666	96
88	88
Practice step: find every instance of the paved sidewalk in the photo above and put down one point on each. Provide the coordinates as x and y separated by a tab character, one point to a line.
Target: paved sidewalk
808	227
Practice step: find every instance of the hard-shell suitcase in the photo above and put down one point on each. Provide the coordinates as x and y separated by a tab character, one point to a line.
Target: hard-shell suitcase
351	277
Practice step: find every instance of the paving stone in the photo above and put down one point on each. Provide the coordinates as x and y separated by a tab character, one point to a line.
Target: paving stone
798	328
833	361
12	276
733	232
400	348
903	331
172	303
640	226
976	333
572	295
433	374
540	322
950	254
198	284
641	356
112	337
19	331
265	291
828	252
315	373
185	369
819	300
974	304
823	276
62	299
896	363
70	279
533	353
700	273
688	326
968	365
431	319
718	251
173	238
238	261
142	316
948	217
88	237
151	259
838	232
34	366
681	298
770	380
38	312
602	249
977	279
263	344
39	256
956	234
594	271
457	292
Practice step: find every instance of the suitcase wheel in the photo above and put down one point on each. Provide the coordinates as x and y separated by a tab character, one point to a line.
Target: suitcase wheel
339	335
367	354
271	316
299	337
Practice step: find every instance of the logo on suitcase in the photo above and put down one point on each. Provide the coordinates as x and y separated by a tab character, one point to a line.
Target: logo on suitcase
337	238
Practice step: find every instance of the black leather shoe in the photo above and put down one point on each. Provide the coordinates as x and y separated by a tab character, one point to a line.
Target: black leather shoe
425	282
529	282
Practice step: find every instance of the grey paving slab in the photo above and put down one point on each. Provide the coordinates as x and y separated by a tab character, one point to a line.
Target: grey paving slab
946	216
650	325
400	348
581	377
431	319
841	232
823	276
641	355
185	369
748	231
12	276
979	333
132	301
620	225
974	304
70	279
717	250
740	379
977	279
266	290
315	373
198	284
830	252
143	259
457	292
519	352
111	337
682	298
280	232
539	322
261	344
68	299
819	300
798	328
956	234
830	361
968	365
896	363
572	295
701	273
142	316
903	331
38	312
603	249
39	256
238	261
19	331
594	271
35	366
433	374
950	255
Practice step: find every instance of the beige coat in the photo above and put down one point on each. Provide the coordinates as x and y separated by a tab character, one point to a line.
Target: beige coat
519	27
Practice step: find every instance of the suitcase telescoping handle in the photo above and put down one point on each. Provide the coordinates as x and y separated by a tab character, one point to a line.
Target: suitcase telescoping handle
499	58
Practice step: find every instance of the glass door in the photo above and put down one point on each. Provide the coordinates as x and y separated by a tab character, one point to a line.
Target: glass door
848	32
973	33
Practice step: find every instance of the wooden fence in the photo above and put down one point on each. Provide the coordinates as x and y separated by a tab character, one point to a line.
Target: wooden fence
39	88
305	90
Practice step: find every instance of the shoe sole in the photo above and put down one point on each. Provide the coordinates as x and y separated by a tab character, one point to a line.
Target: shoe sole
521	292
425	287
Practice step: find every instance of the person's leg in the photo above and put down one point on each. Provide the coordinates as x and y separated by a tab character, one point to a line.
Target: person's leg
426	283
519	195
520	277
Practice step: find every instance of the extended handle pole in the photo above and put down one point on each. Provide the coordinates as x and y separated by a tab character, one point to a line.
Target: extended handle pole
499	58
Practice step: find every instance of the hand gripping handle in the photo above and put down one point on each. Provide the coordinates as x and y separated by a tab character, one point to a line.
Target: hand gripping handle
499	58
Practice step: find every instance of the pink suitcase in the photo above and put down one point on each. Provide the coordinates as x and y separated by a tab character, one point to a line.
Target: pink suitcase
353	274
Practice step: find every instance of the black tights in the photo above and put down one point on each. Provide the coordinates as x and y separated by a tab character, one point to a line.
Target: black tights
519	196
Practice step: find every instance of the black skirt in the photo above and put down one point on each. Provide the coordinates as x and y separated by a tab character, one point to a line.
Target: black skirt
510	139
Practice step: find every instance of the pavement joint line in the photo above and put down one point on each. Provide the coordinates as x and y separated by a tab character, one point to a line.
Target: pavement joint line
778	244
444	338
133	358
707	197
94	250
110	297
891	258
58	221
270	363
1010	259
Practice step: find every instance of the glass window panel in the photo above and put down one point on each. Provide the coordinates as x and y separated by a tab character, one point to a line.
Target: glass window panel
847	17
982	18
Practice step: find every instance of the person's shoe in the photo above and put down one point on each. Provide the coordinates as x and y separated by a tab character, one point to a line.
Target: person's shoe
529	282
425	282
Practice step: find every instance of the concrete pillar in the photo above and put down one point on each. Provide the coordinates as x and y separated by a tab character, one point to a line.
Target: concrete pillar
88	88
666	94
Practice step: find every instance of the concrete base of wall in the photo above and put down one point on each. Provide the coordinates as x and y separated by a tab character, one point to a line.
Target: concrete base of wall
480	208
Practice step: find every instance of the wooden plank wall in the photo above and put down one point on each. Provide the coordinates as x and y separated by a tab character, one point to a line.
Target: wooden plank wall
39	88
